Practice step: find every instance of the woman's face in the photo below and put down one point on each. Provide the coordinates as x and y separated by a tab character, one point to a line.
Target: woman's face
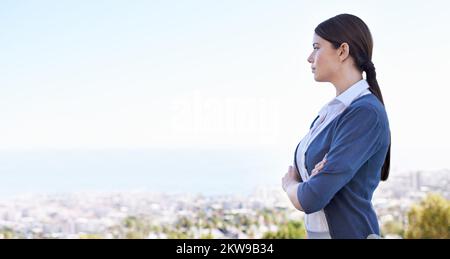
324	60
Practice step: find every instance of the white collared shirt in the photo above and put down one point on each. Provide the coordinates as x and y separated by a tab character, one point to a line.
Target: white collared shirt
316	222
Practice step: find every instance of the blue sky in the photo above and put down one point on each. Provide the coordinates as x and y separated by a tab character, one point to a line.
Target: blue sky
201	74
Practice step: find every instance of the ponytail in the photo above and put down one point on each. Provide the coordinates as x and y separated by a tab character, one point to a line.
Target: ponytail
371	77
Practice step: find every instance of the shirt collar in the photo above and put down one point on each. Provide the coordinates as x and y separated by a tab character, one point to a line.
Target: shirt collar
352	92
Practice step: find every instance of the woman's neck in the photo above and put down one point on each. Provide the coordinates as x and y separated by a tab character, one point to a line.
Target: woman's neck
345	82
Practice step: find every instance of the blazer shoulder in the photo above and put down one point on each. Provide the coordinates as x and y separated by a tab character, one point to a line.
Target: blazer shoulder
368	103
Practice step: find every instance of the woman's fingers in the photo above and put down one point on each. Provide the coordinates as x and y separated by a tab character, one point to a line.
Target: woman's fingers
319	166
322	162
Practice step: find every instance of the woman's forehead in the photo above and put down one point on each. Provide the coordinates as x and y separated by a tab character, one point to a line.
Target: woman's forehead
317	39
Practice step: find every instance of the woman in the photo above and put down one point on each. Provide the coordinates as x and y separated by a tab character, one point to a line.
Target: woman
341	160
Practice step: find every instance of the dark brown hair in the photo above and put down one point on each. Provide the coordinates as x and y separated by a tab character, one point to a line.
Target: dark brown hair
347	28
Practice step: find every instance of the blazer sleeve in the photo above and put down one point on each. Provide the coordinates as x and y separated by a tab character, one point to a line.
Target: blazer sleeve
357	138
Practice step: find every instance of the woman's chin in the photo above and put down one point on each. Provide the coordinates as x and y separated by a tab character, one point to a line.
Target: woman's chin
317	78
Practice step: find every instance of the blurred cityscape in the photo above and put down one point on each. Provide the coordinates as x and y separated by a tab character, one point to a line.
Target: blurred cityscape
142	214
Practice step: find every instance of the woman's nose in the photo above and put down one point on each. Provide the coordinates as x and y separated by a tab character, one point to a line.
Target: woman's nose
310	58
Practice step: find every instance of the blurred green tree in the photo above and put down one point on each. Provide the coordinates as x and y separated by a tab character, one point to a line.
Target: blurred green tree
393	227
291	230
430	218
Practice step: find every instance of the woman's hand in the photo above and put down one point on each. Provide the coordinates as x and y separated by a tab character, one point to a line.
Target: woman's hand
290	178
319	166
290	183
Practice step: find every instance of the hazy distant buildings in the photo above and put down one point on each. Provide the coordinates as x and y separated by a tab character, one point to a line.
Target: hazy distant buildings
103	214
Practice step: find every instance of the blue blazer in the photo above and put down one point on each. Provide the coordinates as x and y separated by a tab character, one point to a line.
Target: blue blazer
357	142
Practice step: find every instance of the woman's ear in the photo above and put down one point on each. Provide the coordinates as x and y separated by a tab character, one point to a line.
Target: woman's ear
343	52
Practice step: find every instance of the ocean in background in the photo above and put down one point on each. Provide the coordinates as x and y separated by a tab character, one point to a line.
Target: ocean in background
208	172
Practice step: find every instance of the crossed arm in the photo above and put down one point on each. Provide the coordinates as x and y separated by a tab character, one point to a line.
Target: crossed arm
291	182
